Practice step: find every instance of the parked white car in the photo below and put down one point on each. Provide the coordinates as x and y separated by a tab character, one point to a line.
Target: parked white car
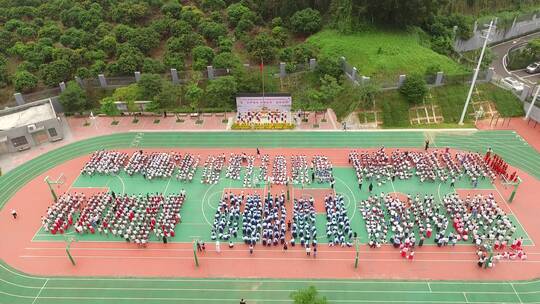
533	68
512	84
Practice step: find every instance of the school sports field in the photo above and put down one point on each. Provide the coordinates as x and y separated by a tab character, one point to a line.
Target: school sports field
110	271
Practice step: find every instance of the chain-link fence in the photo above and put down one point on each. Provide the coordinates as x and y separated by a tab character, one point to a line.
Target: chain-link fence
457	79
222	72
43	94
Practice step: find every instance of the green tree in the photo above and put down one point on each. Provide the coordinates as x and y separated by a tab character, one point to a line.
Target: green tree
306	21
172	9
108	44
6	40
108	107
73	57
213	5
55	72
341	15
193	95
162	26
203	53
74	38
24	81
276	22
329	65
307	296
235	12
122	32
330	88
170	96
180	28
212	30
192	15
98	67
367	95
145	39
174	60
221	91
152	66
184	43
3	72
129	11
226	60
263	46
26	33
400	13
51	31
130	93
303	52
225	44
244	26
129	61
414	89
433	69
280	34
150	85
83	72
73	99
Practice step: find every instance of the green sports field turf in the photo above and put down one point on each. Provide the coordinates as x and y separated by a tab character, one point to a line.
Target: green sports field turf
19	288
201	203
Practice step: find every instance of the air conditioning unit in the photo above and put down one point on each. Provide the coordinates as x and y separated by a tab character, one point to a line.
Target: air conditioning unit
31	128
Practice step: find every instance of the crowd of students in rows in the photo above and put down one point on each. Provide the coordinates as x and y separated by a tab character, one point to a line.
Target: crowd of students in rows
164	165
212	167
187	167
153	165
388	219
149	165
405	224
381	167
131	217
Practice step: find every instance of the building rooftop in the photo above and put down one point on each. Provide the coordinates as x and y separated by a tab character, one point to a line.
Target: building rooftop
25	115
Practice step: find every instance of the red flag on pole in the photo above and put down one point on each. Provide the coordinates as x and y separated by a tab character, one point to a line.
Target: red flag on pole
261	66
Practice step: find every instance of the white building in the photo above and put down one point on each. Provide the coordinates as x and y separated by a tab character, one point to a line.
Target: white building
29	125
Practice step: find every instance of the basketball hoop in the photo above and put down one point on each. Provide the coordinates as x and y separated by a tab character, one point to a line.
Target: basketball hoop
59	181
69	239
515	184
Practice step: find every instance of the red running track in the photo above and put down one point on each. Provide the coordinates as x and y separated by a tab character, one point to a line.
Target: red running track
176	259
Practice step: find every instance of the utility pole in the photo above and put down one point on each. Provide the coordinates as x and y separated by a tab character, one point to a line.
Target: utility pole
532	103
476	74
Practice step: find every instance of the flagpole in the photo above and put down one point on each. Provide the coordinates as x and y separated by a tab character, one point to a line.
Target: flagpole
262	75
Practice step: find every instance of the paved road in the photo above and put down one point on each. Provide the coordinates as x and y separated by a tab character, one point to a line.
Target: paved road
500	52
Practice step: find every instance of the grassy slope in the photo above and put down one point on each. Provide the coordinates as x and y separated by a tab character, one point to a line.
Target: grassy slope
400	53
451	100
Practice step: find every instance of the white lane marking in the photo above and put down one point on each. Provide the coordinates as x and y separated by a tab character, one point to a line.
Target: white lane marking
37	296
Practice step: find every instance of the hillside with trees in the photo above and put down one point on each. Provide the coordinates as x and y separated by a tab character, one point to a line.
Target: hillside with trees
43	43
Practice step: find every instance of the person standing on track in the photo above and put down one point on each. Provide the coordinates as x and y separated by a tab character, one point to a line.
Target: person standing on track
14	214
427	145
218	247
